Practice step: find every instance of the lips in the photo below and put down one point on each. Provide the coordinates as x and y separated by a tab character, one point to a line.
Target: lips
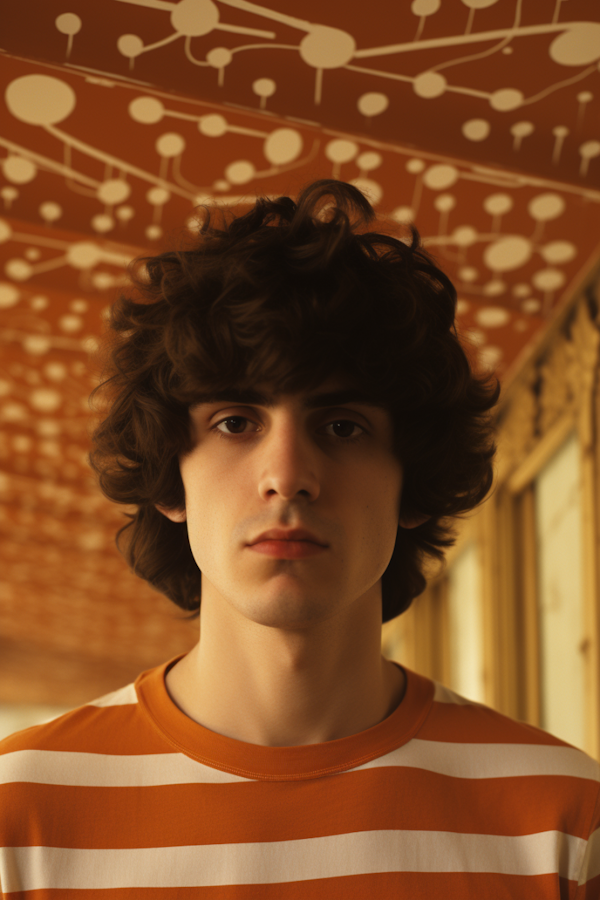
289	534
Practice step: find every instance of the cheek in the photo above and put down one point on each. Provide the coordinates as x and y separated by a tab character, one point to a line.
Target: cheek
214	504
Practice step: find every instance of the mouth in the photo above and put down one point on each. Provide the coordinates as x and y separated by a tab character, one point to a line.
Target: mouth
287	549
288	535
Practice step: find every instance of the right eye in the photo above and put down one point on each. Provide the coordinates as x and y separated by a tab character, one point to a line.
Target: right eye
231	422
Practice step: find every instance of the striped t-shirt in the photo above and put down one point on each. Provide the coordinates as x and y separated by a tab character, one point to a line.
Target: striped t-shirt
127	797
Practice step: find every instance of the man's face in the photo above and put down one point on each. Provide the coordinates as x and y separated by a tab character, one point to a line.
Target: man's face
256	467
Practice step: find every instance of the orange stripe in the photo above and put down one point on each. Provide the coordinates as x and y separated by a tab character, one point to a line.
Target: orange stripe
384	885
410	799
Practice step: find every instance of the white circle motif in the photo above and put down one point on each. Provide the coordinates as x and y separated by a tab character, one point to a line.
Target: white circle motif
476	129
522	129
589	149
444	203
264	87
414	166
578	45
341	151
124	213
70	323
545	207
369	188
492	317
548	279
403	214
240	172
464	236
18	169
219	57
369	161
439	177
372	103
45	399
158	196
327	48
147	110
429	85
5	231
68	23
55	371
114	190
102	223
83	255
50	211
558	252
130	45
283	145
195	18
498	204
425	7
494	287
9	295
170	144
18	269
506	99
36	344
40	99
212	125
479	4
508	253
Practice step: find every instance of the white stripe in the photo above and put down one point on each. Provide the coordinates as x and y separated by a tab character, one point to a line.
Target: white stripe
105	770
451	759
591	861
334	856
459	760
442	694
122	697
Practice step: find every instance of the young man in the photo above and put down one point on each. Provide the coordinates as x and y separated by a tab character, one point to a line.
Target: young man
289	407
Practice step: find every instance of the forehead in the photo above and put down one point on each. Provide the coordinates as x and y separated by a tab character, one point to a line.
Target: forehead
335	391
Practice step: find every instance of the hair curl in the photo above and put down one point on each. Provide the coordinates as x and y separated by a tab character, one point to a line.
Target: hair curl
290	295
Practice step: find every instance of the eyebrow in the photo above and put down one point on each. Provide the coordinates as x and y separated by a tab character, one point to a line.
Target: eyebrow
312	401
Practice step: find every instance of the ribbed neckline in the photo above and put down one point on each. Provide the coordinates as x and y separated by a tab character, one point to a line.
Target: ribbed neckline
282	763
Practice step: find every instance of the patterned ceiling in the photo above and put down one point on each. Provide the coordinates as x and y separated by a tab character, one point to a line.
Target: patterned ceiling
476	119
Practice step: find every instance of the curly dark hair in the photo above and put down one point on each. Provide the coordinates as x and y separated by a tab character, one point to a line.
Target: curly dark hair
290	293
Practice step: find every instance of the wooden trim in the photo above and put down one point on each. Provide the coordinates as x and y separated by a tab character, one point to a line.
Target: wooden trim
486	537
505	619
423	634
542	453
527	578
586	279
590	577
444	671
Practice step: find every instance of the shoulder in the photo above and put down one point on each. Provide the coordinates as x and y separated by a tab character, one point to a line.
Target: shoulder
486	743
25	755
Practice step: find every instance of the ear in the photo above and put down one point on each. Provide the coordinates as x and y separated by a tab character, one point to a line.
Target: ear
175	515
411	521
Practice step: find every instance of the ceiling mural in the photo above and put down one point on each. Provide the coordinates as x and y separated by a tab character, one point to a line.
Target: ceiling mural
477	120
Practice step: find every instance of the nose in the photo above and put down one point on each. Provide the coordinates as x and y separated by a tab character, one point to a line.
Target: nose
288	461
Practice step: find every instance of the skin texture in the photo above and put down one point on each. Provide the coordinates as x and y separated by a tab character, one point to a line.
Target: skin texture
290	649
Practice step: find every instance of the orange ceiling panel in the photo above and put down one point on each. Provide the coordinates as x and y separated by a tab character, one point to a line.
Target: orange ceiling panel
478	120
